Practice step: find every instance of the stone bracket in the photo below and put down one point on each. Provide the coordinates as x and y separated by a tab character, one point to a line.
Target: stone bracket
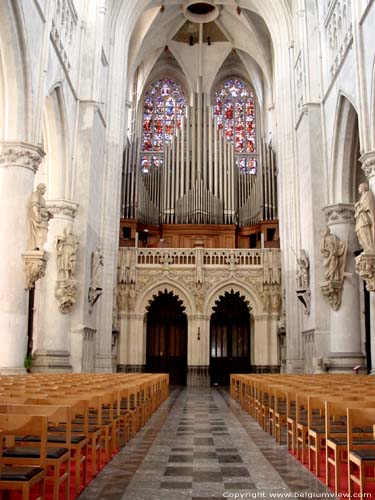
333	291
66	294
93	296
35	266
304	296
365	267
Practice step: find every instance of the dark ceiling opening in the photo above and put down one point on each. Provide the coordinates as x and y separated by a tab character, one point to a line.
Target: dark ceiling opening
201	8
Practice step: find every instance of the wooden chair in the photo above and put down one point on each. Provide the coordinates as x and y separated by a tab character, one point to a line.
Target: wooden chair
15	478
56	459
360	457
57	415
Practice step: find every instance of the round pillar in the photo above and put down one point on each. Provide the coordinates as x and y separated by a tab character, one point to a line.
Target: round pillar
345	332
19	162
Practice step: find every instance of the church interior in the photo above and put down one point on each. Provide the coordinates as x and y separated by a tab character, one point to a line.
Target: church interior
187	219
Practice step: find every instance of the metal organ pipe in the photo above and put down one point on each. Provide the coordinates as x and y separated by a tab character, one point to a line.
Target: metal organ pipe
198	180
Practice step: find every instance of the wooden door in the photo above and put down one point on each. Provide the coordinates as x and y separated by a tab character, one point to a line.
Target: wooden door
229	338
167	338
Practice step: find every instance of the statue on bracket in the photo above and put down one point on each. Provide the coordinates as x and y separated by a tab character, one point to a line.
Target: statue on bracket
38	217
365	219
66	285
303	280
96	286
365	230
334	252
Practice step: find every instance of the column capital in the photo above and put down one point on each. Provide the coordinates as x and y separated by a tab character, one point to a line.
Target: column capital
368	163
20	154
340	213
62	209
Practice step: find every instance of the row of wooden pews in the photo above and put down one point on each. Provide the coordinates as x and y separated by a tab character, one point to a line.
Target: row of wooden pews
326	421
58	427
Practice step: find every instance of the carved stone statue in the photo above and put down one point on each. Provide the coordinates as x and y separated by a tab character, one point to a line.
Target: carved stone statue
302	276
334	255
97	265
39	216
365	219
67	246
97	268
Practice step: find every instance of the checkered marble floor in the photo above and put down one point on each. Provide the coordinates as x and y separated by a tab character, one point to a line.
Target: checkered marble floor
201	445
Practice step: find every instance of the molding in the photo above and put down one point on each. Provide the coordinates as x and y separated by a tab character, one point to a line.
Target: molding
65	70
40	11
368	164
362	19
64	209
340	213
21	154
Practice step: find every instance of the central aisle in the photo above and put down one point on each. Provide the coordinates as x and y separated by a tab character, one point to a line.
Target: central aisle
199	445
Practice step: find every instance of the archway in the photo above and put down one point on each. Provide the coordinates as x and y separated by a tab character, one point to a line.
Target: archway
229	338
166	350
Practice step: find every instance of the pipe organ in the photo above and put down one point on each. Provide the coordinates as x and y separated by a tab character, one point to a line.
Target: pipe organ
198	179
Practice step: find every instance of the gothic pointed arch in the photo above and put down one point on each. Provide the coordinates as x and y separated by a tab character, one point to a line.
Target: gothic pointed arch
55	168
15	78
346	173
247	291
168	286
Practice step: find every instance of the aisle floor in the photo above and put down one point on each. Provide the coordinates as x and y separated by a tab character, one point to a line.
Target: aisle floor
200	444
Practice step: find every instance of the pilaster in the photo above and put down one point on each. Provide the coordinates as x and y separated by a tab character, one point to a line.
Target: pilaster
53	329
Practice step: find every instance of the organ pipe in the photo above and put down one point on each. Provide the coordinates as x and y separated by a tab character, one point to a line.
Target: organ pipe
198	179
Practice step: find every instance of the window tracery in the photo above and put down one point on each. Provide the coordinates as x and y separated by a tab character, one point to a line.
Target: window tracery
164	107
234	108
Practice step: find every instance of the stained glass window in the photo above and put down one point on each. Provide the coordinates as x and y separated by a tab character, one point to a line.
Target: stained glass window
164	106
234	109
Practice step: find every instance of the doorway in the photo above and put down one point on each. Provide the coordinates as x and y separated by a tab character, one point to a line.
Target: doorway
167	337
229	338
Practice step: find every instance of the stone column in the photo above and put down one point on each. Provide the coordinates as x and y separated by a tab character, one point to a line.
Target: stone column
345	329
53	339
19	162
368	166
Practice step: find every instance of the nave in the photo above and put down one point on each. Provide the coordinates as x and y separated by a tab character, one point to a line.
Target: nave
200	444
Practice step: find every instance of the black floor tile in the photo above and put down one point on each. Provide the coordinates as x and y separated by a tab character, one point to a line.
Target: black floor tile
176	485
207	477
205	455
235	472
178	471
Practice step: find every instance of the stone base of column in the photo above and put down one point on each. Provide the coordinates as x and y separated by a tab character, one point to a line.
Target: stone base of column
12	371
294	366
198	376
344	362
52	362
103	364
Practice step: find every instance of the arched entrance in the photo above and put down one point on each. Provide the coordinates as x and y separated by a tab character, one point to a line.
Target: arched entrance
167	337
229	338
